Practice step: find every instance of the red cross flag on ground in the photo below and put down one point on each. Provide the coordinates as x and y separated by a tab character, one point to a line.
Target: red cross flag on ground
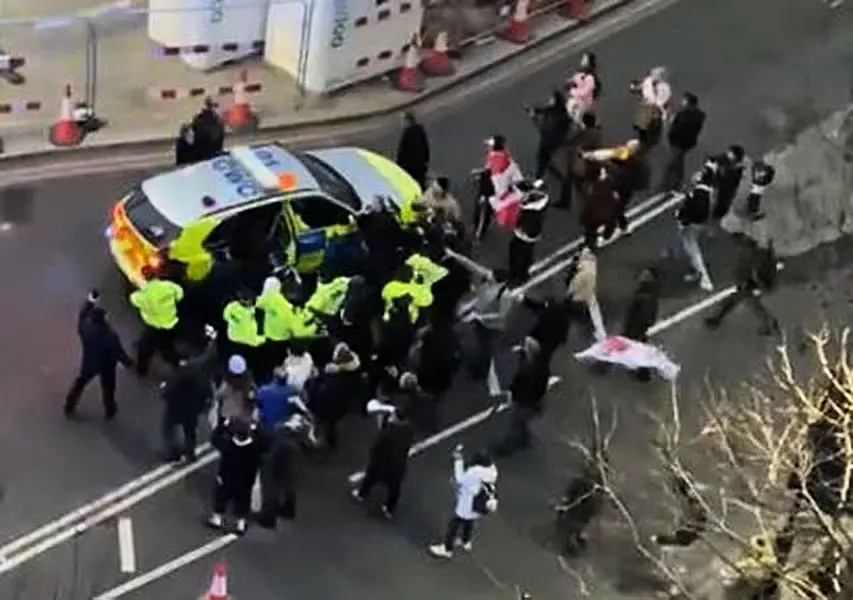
631	354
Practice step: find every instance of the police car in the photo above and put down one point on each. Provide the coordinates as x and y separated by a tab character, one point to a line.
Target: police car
304	203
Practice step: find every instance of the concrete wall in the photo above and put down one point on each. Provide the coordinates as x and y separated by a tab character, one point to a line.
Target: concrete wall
811	202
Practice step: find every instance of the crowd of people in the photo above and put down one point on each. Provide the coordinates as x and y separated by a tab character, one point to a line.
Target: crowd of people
276	371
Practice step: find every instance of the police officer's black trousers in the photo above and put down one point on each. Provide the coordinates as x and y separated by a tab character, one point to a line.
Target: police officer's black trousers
390	479
107	379
519	260
189	432
155	340
234	491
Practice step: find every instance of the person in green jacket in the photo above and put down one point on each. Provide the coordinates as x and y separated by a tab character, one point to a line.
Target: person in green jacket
157	303
242	335
278	318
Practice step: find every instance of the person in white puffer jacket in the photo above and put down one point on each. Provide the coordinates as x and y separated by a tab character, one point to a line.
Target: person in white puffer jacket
476	496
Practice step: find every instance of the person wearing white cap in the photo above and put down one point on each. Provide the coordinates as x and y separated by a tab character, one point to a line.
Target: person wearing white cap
235	396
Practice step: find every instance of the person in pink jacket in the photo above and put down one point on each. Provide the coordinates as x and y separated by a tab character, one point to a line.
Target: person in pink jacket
583	88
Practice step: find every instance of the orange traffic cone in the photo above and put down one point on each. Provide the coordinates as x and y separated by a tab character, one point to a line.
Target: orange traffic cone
409	76
239	117
438	63
517	30
218	584
66	131
576	10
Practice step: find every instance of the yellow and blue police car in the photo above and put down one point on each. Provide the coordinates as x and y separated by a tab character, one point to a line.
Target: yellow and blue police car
308	201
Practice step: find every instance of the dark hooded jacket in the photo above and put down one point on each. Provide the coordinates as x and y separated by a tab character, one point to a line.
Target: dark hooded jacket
553	319
209	134
335	388
390	450
413	152
102	348
643	310
439	355
187	391
553	120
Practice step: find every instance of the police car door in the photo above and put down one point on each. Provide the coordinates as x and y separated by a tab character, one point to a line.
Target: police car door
325	232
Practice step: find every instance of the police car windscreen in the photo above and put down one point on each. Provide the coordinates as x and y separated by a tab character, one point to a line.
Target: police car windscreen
147	220
330	181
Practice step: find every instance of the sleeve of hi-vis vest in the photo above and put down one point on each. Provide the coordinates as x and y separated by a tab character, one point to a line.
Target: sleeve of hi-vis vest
137	299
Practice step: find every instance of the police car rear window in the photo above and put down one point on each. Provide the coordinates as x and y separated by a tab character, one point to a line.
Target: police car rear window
147	220
330	181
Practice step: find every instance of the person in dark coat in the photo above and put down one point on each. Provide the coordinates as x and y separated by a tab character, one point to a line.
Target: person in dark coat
334	390
389	456
755	273
554	123
553	321
684	131
187	393
730	170
586	139
241	447
413	153
643	312
438	356
384	239
208	131
185	148
280	474
601	207
102	352
527	390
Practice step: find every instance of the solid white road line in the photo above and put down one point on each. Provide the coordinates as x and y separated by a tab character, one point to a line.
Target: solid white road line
691	310
170	567
72	518
487	413
17	559
126	546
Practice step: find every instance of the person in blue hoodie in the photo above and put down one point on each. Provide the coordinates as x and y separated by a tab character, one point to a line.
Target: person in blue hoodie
278	405
277	401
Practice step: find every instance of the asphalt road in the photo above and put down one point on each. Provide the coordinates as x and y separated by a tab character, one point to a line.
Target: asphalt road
746	61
